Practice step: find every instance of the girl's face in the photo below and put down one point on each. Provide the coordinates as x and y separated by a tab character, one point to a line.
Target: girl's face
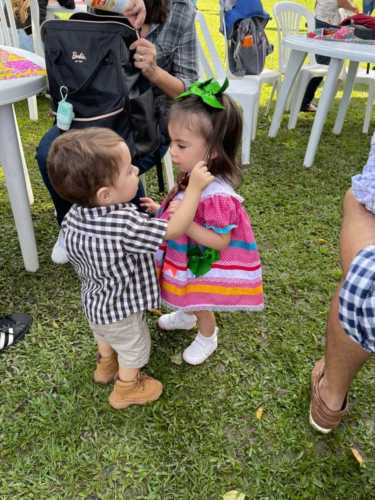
188	146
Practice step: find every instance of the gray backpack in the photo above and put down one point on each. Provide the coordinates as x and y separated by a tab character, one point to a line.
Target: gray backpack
248	46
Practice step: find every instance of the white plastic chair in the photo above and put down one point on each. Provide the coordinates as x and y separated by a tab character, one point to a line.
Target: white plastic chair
168	171
243	90
54	9
288	17
9	36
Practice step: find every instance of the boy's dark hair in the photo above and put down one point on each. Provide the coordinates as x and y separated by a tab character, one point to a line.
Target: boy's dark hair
222	129
156	11
82	161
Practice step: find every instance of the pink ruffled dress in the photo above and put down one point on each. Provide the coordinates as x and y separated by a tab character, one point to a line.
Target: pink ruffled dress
232	282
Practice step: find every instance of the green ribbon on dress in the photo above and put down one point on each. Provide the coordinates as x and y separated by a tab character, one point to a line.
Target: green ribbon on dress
207	90
200	262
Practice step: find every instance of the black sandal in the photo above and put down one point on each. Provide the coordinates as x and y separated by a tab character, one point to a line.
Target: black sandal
13	328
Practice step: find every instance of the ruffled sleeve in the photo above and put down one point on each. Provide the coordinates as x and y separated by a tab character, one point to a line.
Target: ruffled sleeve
218	213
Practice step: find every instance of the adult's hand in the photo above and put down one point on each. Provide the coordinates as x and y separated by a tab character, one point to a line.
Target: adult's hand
135	12
145	57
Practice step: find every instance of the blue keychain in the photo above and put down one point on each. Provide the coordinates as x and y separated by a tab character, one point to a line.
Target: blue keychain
64	114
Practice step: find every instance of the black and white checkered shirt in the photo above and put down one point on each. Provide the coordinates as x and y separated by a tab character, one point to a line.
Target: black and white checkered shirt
111	249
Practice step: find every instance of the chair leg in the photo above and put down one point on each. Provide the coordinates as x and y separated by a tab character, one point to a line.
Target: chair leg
144	183
345	99
255	120
168	167
369	105
248	104
33	108
273	90
301	86
29	189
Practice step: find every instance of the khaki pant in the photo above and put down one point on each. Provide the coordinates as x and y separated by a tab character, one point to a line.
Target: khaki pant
130	338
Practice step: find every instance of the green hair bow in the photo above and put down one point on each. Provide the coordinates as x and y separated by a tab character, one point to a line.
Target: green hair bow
207	90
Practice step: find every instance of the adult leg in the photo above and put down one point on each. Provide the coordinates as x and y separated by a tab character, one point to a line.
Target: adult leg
331	378
315	82
62	206
343	359
357	230
146	163
310	93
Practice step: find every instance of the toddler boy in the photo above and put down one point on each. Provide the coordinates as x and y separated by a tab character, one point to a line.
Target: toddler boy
111	245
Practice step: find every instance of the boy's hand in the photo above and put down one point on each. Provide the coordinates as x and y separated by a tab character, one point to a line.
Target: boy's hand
200	177
149	204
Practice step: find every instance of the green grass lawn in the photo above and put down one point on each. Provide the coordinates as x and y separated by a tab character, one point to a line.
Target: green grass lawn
60	439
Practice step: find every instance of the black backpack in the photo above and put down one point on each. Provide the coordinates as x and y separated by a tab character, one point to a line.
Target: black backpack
87	57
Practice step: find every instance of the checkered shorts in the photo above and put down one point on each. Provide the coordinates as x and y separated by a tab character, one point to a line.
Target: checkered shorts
357	299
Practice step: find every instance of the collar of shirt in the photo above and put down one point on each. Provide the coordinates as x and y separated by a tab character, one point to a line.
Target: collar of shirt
92	212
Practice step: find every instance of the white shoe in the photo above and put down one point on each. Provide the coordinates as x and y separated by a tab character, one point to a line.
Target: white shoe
178	320
200	349
59	255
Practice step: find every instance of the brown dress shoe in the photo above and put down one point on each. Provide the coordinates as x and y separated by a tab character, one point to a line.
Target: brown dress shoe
322	418
144	389
106	368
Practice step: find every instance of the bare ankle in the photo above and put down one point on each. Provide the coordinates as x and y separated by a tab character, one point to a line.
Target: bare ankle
334	401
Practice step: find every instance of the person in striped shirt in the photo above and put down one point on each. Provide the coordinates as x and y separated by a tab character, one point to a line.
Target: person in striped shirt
111	246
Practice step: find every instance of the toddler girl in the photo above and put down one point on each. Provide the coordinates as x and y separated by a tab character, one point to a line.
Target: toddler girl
215	266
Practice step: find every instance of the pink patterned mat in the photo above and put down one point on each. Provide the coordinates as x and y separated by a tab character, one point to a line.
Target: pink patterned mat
15	66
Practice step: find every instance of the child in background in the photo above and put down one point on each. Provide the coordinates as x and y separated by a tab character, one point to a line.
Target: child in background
111	246
215	266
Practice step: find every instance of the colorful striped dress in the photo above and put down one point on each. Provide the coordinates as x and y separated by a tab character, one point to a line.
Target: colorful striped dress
234	282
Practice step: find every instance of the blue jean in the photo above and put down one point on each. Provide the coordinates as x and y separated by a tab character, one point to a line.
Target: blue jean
62	206
368	6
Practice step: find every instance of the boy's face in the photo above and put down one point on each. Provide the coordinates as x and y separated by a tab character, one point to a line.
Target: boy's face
125	186
187	147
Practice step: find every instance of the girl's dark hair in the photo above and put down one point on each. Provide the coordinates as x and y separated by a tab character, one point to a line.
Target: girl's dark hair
221	128
156	11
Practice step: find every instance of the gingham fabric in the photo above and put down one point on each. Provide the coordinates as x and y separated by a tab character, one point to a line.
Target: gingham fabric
176	51
363	184
112	251
357	300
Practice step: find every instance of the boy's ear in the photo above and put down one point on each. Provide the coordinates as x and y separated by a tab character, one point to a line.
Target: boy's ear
103	195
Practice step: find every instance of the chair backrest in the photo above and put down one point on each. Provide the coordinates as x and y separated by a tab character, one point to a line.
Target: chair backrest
289	16
209	65
8	30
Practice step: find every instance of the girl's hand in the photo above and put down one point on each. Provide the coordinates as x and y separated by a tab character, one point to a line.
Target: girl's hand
149	204
200	177
136	13
144	57
173	206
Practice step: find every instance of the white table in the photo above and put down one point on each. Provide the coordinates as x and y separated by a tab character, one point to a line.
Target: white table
12	91
300	46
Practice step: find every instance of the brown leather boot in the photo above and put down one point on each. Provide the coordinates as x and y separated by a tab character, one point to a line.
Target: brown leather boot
139	391
106	368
